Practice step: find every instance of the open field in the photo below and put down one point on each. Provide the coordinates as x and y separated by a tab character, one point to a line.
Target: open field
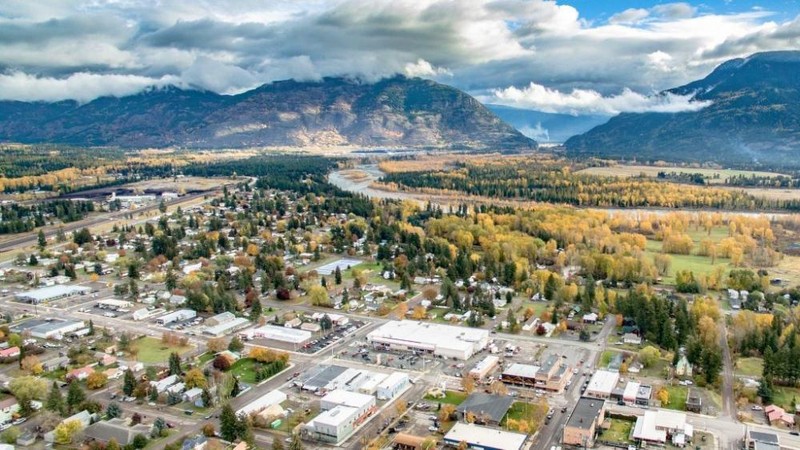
244	369
450	398
677	397
618	431
769	194
153	351
712	176
784	396
751	367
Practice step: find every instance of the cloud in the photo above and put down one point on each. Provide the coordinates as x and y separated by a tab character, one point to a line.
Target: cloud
629	16
478	45
82	87
583	101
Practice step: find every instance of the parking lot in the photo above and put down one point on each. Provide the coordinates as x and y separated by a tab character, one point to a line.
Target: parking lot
338	333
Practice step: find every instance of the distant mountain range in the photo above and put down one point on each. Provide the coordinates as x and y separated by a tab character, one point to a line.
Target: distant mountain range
753	118
547	127
398	111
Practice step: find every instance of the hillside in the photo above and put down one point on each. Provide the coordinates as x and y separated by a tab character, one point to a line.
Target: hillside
753	118
399	111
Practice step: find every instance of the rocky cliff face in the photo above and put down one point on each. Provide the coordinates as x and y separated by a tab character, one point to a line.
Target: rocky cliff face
392	112
753	117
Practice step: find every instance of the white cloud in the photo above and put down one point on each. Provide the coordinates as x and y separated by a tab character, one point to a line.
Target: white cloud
423	68
629	16
680	10
82	86
585	101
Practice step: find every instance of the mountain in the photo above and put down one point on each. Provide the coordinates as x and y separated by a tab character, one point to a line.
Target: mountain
753	117
546	127
399	111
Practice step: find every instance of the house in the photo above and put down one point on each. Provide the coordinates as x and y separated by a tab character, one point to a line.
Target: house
8	407
760	440
590	318
113	373
777	416
632	339
26	439
135	366
84	417
694	402
683	368
192	394
107	360
198	442
162	385
59	362
80	374
12	352
487	409
117	429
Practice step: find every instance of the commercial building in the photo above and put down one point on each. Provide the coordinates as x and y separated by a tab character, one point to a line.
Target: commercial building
487	409
630	393
602	384
520	375
484	367
405	441
760	440
644	394
333	425
220	318
55	329
226	327
111	303
117	429
552	374
267	400
281	334
584	422
364	404
656	427
176	316
441	340
393	385
51	293
484	438
366	383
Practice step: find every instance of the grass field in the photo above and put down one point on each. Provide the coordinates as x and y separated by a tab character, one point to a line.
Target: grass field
677	397
712	176
529	412
243	369
783	397
694	263
450	398
619	431
153	351
750	367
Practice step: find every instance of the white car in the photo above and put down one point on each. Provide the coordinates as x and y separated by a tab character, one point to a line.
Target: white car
757	408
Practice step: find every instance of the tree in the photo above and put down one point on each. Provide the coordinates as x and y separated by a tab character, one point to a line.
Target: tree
209	430
96	380
446	413
75	395
128	382
32	261
174	363
228	427
208	400
42	240
765	390
194	378
55	401
31	365
325	323
159	425
124	342
277	444
11	435
663	396
337	276
296	443
65	432
221	362
113	445
139	441
256	310
319	296
216	345
498	387
26	389
170	281
236	345
113	410
649	355
468	384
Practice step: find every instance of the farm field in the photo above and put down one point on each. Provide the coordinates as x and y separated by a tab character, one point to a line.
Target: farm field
713	176
751	367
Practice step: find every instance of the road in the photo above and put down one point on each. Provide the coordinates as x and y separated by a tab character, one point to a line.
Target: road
729	408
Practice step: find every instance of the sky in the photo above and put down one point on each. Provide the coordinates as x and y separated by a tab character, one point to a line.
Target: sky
576	57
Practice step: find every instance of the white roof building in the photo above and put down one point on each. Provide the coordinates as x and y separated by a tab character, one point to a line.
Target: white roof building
631	390
177	316
227	327
602	384
484	437
283	334
443	340
50	293
339	397
657	426
267	400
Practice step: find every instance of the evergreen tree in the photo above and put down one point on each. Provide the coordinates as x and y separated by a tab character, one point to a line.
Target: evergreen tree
208	400
91	328
229	424
75	395
113	410
174	363
256	310
277	444
170	281
42	240
55	401
128	383
337	276
236	344
296	443
153	395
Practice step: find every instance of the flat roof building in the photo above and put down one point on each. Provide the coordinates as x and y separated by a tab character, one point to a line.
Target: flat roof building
520	375
339	397
51	293
55	329
333	425
282	334
488	409
392	385
442	340
319	377
602	384
267	400
111	303
584	422
484	438
484	367
176	316
228	327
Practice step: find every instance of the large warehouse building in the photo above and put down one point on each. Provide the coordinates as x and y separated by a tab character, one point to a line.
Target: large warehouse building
275	333
441	340
51	293
485	438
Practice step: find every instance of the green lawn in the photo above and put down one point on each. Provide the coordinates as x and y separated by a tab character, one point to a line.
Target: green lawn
529	412
153	351
618	431
656	370
243	369
750	367
605	358
783	396
677	398
204	358
450	398
538	308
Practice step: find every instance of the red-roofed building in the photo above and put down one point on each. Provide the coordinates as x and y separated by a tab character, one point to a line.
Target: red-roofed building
778	416
80	374
12	352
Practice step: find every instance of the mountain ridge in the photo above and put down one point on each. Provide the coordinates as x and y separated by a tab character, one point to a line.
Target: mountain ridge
753	118
395	111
